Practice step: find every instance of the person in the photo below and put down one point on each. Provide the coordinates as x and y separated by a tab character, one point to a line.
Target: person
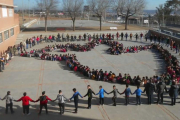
9	102
141	35
61	101
122	35
25	102
76	99
43	102
138	92
89	94
160	91
115	91
127	93
101	95
1	64
149	89
173	92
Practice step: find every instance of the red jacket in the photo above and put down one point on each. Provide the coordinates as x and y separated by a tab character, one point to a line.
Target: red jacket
45	101
25	100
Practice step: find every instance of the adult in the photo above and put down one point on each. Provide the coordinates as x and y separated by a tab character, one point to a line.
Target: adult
61	101
9	102
76	99
160	91
173	92
114	91
89	94
43	102
149	89
101	95
25	102
27	42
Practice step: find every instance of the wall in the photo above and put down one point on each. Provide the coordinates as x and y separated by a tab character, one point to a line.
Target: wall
6	23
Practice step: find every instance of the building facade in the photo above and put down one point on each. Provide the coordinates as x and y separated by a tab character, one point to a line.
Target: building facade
9	25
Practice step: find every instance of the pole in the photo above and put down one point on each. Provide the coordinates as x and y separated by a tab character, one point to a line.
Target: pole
29	10
163	18
23	11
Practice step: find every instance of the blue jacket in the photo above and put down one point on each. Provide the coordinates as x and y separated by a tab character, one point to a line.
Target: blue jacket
101	93
127	91
75	96
138	92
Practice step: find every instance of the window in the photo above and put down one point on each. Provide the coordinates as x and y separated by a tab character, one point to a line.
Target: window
10	12
1	40
6	34
4	11
12	31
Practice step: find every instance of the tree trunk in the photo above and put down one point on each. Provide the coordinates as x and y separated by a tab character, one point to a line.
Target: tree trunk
46	23
73	25
100	19
126	22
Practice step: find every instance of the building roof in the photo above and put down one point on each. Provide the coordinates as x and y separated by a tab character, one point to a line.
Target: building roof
7	5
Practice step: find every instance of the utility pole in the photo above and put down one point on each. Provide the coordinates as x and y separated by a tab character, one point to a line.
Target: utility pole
23	11
29	10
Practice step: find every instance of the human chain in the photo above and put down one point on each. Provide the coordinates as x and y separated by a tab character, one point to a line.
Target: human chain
149	89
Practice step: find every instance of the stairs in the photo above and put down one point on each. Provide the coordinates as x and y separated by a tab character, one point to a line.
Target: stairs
19	39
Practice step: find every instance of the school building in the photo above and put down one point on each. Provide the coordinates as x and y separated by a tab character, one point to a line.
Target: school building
9	25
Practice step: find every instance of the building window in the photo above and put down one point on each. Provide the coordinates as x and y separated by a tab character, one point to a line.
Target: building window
4	11
12	31
1	40
6	35
10	12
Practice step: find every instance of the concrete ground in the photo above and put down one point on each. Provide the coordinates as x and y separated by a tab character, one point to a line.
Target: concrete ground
34	76
68	23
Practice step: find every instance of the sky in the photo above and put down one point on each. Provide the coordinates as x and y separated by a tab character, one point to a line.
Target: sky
151	4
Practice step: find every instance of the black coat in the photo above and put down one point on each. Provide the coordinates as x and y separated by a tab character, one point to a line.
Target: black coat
173	91
149	89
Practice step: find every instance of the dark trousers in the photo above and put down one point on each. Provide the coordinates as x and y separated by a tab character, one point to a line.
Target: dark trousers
101	101
61	107
0	68
160	95
150	98
114	100
127	99
41	106
173	101
89	102
138	99
76	105
26	109
11	107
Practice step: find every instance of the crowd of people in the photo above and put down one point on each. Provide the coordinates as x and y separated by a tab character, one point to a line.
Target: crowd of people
172	65
152	84
150	88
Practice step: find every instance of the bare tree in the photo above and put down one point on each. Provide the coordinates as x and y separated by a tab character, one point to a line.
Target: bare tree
98	7
47	5
127	8
73	8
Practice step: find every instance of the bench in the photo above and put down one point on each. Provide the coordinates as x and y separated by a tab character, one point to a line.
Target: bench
113	28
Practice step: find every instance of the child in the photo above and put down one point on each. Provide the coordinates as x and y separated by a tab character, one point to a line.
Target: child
138	92
127	92
101	95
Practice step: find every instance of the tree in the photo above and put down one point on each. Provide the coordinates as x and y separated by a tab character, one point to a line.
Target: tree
73	8
98	7
173	4
127	8
47	5
163	13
